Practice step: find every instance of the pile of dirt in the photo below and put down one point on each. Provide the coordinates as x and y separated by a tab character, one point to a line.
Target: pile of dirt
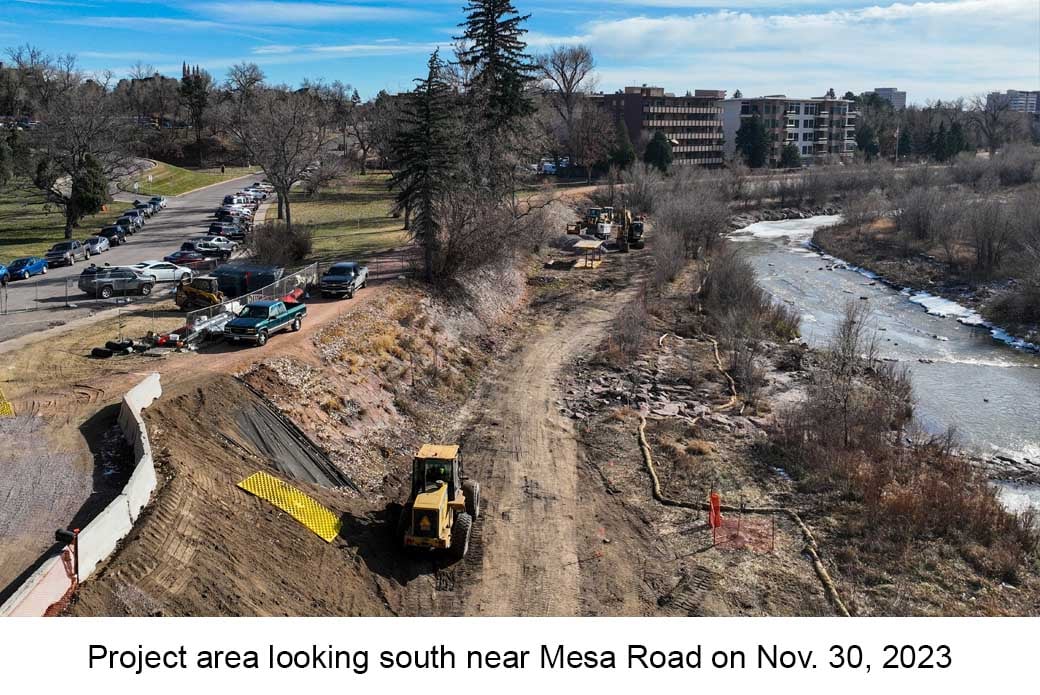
206	547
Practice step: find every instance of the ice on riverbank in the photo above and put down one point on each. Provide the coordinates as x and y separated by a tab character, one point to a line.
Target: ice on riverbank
945	308
793	229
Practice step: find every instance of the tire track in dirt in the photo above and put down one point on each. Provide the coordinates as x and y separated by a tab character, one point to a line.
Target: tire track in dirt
526	456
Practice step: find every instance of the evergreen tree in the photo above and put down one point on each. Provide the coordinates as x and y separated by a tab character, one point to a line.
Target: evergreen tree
658	152
940	146
752	142
905	145
790	157
956	142
495	55
89	189
427	153
623	154
867	142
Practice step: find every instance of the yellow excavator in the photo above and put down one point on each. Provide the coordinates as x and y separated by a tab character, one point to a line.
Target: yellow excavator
442	505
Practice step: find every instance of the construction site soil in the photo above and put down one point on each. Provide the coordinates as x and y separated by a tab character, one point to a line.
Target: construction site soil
520	369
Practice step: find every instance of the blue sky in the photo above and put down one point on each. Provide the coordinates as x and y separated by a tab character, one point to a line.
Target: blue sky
940	49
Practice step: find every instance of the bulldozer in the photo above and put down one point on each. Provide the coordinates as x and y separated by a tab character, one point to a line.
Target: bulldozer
442	505
201	292
591	221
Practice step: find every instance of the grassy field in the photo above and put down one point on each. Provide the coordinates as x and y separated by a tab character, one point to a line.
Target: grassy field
170	180
351	219
28	229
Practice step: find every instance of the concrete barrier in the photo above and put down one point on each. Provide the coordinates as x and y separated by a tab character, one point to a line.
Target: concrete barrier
48	584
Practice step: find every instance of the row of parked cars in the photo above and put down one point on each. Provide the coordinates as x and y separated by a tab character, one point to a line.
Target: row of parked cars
73	250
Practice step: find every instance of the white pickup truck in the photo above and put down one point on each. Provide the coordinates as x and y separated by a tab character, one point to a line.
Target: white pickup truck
343	279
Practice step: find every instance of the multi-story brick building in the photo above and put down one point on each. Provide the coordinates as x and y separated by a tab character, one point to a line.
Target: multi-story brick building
693	122
820	127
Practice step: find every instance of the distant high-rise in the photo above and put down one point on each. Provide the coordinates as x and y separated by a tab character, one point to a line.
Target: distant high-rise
891	95
1028	102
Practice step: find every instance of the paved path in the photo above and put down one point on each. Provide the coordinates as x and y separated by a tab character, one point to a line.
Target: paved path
35	304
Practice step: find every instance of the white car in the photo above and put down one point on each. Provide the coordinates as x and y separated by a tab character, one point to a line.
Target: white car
160	200
161	271
221	242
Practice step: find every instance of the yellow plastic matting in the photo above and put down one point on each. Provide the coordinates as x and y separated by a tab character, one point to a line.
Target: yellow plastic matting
6	409
294	503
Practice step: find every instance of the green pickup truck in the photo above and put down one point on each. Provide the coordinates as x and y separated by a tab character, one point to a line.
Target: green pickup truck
259	320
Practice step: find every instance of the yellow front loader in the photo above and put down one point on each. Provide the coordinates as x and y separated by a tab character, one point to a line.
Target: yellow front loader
442	505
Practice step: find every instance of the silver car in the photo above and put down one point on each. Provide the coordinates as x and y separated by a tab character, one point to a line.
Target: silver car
97	244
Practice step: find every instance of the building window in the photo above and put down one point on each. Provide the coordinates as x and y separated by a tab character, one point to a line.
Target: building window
796	108
810	109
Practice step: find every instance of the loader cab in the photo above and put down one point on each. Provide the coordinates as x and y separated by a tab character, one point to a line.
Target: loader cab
434	464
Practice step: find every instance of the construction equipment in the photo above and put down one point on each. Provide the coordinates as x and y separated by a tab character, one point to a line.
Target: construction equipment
629	231
201	292
590	223
442	505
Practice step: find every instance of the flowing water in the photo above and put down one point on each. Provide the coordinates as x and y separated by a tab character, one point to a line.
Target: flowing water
963	377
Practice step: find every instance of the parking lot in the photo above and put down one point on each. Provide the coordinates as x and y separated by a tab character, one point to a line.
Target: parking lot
55	297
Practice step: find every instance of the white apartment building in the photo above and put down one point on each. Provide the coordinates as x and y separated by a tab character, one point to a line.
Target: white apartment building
819	127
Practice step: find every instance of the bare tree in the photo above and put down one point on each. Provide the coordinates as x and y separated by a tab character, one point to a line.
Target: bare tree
565	78
286	133
592	137
358	122
80	152
42	78
993	120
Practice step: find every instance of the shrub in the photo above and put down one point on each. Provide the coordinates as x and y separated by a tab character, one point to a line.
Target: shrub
1017	165
271	243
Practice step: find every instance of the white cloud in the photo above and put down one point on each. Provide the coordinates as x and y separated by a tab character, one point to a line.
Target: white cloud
274	12
943	49
274	49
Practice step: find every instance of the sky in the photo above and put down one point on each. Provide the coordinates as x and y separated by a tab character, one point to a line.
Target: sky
941	49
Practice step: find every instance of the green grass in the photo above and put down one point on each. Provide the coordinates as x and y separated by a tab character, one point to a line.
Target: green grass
28	229
351	218
170	180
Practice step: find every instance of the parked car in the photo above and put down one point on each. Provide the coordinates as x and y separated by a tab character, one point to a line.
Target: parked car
235	215
146	208
183	257
227	229
67	253
135	213
129	224
206	249
160	200
97	244
5	275
25	268
162	271
259	320
114	233
257	192
344	279
219	241
106	281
